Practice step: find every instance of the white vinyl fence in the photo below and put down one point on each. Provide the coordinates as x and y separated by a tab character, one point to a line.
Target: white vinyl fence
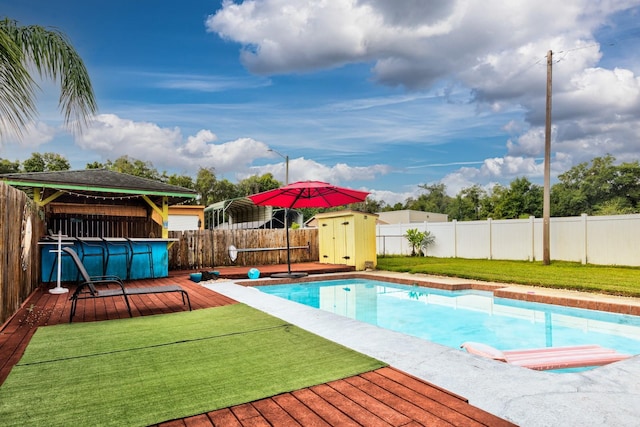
603	240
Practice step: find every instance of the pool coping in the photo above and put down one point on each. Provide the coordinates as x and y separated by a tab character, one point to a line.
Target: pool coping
606	395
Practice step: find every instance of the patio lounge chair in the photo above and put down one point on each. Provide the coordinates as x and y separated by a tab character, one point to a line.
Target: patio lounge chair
87	288
543	359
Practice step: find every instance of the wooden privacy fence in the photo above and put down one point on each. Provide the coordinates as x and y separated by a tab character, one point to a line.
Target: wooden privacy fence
21	226
210	248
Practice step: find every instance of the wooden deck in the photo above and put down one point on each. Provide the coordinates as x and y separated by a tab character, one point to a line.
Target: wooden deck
385	397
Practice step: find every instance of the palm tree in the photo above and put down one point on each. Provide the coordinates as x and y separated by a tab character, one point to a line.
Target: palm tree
50	53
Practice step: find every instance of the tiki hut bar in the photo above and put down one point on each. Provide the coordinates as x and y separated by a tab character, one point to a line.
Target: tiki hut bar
106	216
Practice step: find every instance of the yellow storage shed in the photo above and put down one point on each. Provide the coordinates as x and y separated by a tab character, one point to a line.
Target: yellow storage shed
347	237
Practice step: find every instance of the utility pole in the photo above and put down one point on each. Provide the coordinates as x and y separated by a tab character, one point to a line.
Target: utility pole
546	199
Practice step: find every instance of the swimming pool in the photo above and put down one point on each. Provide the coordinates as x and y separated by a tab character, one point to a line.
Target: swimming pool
453	317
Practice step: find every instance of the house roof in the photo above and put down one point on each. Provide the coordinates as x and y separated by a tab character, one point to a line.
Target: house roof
97	183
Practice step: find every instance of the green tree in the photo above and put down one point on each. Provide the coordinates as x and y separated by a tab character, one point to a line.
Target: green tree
435	199
224	190
627	183
617	206
211	189
55	162
596	188
204	185
95	165
522	199
368	206
35	163
51	55
257	184
467	205
492	199
47	162
124	164
184	181
7	166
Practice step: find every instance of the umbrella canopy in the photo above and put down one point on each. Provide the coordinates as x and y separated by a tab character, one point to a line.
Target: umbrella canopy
309	194
306	194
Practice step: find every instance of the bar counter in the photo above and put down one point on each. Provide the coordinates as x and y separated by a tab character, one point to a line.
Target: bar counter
127	258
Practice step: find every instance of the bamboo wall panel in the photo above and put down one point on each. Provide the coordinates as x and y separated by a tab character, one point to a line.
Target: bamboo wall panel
21	226
200	249
97	209
82	225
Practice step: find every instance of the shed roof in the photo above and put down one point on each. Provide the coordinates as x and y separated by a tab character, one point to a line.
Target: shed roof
98	182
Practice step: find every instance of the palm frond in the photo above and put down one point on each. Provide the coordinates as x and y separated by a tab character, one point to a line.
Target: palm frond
53	56
16	97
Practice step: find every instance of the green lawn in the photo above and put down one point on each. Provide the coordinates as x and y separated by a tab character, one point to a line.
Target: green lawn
560	274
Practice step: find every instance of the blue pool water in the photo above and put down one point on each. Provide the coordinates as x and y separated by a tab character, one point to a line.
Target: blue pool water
453	317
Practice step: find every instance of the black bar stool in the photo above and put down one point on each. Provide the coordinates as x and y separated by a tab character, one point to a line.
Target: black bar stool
114	248
88	249
142	249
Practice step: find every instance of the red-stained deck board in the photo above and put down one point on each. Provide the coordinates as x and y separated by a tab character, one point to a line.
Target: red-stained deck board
249	416
357	412
441	407
223	418
448	399
407	407
201	420
299	411
274	414
332	415
378	408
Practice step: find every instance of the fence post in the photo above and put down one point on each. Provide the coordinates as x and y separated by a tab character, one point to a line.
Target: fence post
532	237
455	238
489	226
585	244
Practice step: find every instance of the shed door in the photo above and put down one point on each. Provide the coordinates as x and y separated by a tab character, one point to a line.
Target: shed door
337	243
345	244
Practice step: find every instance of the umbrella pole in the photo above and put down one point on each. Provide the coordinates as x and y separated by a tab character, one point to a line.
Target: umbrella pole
286	226
288	274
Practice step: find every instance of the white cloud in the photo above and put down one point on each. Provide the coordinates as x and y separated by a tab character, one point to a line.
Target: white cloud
498	170
199	144
392	197
34	135
109	135
113	137
411	43
530	143
301	169
201	83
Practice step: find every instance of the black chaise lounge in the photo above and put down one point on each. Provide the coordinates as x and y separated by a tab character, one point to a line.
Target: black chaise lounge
87	288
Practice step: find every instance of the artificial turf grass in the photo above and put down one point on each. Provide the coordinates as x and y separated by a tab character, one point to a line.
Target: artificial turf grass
248	355
84	339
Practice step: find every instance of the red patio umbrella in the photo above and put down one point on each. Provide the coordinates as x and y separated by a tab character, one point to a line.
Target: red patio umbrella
307	194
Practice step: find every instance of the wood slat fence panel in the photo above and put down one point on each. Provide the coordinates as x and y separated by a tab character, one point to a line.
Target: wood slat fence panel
209	248
21	226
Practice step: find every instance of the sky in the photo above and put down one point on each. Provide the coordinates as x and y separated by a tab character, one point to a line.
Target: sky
379	95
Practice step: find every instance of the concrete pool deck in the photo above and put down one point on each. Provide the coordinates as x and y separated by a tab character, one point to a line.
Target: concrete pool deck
607	396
